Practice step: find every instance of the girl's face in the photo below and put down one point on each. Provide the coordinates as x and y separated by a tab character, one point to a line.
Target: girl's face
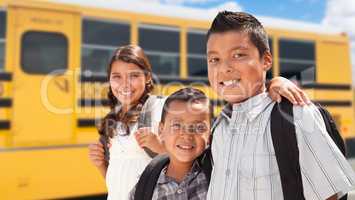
127	82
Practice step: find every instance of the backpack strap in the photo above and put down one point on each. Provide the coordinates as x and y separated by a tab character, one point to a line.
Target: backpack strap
145	119
333	133
332	128
284	139
205	162
148	180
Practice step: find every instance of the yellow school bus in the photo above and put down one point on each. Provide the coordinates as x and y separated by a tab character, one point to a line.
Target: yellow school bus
53	57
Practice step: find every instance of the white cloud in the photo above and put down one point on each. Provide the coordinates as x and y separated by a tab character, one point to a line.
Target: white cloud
188	1
341	13
181	2
212	11
229	5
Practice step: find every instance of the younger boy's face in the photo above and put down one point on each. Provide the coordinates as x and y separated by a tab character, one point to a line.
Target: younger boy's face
236	71
185	130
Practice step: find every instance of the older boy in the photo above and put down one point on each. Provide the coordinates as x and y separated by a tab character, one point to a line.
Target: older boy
245	167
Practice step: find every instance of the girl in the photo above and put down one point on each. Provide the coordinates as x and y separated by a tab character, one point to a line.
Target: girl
130	79
130	85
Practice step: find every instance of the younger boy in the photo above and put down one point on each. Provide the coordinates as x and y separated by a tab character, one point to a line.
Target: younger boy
245	166
184	131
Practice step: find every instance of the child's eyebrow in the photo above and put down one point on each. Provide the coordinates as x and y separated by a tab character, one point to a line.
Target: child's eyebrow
238	48
135	72
211	52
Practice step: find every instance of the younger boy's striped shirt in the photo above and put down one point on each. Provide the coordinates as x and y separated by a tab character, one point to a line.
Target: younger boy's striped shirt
245	166
193	187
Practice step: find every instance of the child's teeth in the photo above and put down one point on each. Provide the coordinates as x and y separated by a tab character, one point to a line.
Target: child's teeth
230	82
126	93
185	146
227	83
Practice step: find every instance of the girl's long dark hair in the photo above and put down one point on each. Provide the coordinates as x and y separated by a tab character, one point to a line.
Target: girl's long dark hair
129	54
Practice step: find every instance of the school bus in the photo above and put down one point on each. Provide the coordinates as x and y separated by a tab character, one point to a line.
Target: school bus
53	57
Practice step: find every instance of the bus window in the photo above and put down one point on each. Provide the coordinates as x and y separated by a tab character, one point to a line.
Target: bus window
269	72
44	52
297	60
99	40
196	54
162	46
2	39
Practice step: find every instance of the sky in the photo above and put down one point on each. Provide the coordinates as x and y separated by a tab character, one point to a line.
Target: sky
338	13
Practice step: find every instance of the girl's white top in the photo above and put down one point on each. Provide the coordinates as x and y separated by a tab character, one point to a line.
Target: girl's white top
127	159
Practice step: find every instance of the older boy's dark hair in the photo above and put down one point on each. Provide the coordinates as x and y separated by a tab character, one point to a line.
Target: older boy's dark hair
244	22
186	95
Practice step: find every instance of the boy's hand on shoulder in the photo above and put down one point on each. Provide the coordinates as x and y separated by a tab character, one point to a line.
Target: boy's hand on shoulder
145	138
280	86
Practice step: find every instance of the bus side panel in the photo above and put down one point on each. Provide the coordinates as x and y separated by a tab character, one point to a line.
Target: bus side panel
333	62
48	173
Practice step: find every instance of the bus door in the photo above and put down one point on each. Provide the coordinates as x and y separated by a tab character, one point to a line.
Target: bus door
45	56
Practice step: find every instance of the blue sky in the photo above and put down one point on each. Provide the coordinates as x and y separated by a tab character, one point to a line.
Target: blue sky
304	10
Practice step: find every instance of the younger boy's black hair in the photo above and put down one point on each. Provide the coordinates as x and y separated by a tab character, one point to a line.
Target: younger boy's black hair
185	95
240	21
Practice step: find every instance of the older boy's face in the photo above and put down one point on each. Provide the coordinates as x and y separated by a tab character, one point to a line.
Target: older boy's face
236	71
185	130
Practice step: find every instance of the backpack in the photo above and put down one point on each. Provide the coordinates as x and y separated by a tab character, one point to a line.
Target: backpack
146	184
286	149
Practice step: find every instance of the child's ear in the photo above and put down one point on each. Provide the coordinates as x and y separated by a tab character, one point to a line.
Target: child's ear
267	60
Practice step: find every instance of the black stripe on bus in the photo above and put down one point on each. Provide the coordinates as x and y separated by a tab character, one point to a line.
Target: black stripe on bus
4	124
323	86
335	103
5	102
93	102
5	76
86	122
92	78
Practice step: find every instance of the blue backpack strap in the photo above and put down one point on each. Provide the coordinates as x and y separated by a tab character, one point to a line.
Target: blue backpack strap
284	139
146	184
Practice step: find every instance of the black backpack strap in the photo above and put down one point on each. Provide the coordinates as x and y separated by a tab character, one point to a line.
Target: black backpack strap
148	180
205	161
284	139
333	133
332	128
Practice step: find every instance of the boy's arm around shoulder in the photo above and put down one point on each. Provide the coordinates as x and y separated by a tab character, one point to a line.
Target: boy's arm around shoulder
322	164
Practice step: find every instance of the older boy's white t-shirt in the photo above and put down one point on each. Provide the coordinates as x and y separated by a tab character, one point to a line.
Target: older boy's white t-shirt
127	159
245	166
